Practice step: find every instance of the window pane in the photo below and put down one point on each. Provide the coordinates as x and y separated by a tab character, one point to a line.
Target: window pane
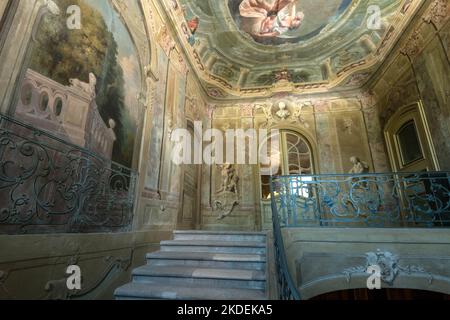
299	155
408	141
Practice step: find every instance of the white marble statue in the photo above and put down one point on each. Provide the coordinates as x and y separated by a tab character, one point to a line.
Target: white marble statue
359	167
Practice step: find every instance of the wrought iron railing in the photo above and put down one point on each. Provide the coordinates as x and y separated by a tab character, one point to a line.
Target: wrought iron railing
48	185
369	200
287	290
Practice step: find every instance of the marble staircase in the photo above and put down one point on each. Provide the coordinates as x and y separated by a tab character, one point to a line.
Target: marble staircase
203	265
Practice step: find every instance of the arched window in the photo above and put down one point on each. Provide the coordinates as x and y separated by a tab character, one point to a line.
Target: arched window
293	156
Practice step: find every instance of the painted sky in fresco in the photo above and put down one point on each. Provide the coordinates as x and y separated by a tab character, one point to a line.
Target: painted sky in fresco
127	56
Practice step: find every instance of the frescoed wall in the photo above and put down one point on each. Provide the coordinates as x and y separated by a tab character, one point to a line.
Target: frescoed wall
90	81
88	87
418	72
82	87
335	128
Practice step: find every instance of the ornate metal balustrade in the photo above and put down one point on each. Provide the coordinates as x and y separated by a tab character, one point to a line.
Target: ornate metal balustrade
48	185
369	200
286	287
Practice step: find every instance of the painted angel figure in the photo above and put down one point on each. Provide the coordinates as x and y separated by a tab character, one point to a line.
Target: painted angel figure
262	19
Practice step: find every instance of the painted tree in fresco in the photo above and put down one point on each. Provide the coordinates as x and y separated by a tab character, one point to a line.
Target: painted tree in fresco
62	54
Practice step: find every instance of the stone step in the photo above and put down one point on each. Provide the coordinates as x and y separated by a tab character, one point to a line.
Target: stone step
208	260
206	277
239	247
220	236
143	291
202	265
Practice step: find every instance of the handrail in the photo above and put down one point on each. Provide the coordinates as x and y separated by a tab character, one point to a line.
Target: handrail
49	185
418	199
286	286
386	200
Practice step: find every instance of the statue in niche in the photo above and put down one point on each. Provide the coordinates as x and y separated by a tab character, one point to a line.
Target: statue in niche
227	196
283	112
359	167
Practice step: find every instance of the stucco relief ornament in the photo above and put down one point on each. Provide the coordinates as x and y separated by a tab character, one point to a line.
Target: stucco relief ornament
388	264
267	110
413	45
298	115
438	13
227	196
389	267
142	98
165	40
283	113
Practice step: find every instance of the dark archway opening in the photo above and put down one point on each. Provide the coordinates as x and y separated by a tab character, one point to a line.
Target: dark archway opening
383	294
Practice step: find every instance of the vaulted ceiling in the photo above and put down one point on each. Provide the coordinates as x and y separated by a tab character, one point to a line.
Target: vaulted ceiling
244	50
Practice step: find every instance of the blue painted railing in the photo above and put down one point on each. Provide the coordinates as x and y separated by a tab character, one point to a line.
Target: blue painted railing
388	200
369	200
48	185
287	290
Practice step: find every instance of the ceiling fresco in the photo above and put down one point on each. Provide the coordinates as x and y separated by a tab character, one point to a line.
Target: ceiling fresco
275	22
259	48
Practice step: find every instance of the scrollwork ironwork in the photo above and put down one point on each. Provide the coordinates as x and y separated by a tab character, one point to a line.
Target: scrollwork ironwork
373	200
364	200
48	185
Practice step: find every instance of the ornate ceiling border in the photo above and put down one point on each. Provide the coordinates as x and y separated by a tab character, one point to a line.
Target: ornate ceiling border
352	77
